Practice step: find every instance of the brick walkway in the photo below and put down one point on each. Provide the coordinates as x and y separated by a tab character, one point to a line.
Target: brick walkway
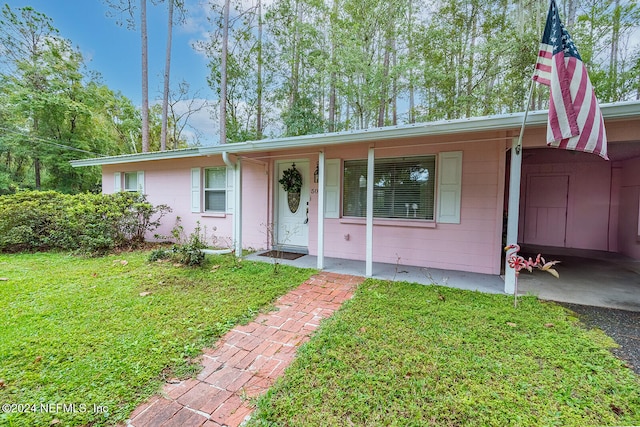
247	360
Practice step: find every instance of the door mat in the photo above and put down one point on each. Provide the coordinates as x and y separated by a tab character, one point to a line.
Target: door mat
282	255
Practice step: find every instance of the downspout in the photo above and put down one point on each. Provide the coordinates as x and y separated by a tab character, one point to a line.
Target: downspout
237	214
227	161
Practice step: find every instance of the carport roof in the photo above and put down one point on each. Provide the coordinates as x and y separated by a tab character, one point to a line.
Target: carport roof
502	122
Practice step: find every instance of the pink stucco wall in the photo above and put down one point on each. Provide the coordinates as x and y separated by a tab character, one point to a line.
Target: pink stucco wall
589	194
473	245
628	240
169	182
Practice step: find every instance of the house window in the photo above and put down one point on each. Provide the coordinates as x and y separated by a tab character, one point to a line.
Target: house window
403	188
215	189
131	181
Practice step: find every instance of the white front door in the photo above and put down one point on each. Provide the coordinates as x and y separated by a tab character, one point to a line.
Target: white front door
292	225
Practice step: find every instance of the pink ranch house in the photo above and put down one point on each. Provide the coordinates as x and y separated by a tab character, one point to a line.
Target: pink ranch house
432	194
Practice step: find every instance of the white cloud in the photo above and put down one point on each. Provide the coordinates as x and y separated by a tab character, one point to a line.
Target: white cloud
201	125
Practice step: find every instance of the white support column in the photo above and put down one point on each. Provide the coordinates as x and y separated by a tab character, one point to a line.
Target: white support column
513	210
237	215
321	184
369	231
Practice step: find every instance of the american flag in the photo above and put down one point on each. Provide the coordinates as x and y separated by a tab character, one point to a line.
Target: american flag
575	121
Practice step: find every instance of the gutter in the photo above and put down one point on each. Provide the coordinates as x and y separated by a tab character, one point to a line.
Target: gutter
138	157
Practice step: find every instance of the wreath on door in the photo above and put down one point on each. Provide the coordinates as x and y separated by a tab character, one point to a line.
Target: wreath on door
291	182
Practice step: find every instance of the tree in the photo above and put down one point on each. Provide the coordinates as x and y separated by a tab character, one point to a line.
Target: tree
352	64
51	112
245	76
167	66
128	9
145	76
27	42
224	57
182	105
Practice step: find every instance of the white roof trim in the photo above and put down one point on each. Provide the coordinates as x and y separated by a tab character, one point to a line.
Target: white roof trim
613	111
138	157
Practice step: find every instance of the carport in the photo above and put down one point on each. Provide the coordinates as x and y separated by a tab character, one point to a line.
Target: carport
582	210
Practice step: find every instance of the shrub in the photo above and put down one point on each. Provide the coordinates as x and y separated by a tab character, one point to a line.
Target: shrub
159	254
186	250
190	252
87	223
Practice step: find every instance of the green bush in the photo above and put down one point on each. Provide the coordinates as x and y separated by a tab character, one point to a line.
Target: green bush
87	223
189	252
186	250
159	254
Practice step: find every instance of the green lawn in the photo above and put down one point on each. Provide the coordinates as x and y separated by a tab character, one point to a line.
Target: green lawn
77	332
412	355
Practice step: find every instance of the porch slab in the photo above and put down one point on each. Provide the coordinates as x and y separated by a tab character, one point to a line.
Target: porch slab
402	273
592	278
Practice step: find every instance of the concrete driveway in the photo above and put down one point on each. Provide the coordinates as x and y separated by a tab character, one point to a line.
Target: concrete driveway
601	279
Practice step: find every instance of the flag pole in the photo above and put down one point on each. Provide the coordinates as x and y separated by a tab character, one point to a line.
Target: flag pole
514	196
526	114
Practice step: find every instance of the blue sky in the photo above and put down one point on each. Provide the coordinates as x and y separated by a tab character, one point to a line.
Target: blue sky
114	51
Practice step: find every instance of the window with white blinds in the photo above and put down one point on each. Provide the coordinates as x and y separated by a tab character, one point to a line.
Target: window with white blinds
215	189
403	188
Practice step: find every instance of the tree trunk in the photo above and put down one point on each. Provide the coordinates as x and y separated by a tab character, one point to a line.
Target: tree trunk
394	89
165	92
570	12
37	167
145	77
223	73
471	64
295	69
333	75
613	59
412	102
259	72
384	89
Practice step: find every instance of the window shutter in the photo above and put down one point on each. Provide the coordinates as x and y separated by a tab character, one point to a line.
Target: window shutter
449	187
195	190
332	188
117	182
230	191
140	182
